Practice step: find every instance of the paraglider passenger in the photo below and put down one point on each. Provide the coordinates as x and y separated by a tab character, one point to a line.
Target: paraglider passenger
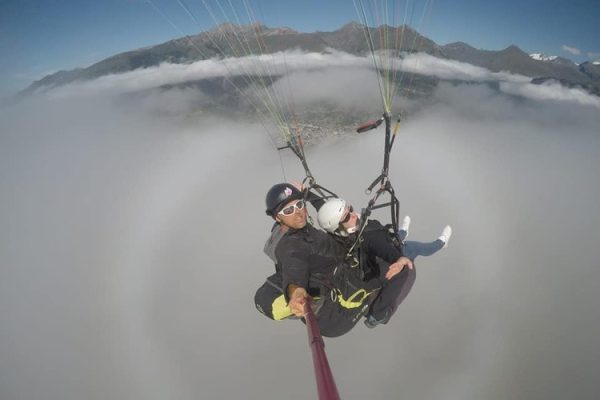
339	219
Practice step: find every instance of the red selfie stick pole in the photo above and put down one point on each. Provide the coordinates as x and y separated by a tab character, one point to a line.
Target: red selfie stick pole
325	382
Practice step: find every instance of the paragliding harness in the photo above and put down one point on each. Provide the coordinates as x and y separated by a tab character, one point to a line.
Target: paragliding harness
349	282
385	186
346	296
340	298
296	144
349	300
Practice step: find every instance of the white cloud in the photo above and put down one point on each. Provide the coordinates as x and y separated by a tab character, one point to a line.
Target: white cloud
169	74
509	83
348	87
551	91
572	50
594	56
449	69
314	76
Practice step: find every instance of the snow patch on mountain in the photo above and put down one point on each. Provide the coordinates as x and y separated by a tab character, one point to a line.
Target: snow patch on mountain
542	57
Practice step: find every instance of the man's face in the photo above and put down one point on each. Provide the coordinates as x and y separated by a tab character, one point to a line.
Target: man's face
297	218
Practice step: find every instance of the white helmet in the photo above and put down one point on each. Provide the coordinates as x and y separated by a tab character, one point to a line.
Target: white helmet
330	214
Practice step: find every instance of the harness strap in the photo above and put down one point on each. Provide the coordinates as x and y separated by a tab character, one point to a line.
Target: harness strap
355	300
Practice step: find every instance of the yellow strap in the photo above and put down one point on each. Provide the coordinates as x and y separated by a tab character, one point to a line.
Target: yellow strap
352	301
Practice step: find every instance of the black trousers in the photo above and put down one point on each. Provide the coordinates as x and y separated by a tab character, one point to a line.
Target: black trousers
392	294
335	320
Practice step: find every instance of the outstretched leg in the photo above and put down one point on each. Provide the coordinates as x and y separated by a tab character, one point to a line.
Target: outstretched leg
413	249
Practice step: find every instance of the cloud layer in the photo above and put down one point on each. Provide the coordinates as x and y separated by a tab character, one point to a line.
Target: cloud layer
305	68
135	228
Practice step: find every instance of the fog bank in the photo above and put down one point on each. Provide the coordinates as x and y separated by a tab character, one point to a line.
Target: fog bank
133	234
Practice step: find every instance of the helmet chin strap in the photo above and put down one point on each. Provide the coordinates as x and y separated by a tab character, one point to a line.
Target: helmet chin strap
341	232
348	231
351	230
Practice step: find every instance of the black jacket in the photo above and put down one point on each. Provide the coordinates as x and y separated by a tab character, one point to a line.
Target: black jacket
307	253
377	242
376	239
376	246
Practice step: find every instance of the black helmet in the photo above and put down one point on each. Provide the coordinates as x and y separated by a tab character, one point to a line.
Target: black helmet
279	195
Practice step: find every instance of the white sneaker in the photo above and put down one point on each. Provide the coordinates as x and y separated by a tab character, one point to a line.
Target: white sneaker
405	224
445	236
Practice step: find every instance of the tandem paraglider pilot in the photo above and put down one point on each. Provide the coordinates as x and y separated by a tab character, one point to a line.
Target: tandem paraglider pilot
346	282
309	262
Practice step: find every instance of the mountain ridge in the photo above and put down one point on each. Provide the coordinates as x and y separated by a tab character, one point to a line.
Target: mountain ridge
234	40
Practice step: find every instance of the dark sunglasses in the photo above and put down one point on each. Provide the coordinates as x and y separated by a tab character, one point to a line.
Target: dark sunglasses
348	215
289	210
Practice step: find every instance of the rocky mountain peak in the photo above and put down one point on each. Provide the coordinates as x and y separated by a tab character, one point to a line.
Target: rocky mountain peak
513	50
458	46
228	27
350	27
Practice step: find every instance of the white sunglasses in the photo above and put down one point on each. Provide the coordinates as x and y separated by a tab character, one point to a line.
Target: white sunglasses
289	210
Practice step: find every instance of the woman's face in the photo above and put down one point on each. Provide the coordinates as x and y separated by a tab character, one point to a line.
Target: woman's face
349	218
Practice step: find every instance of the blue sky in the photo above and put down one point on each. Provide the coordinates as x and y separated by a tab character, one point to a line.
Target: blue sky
44	36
